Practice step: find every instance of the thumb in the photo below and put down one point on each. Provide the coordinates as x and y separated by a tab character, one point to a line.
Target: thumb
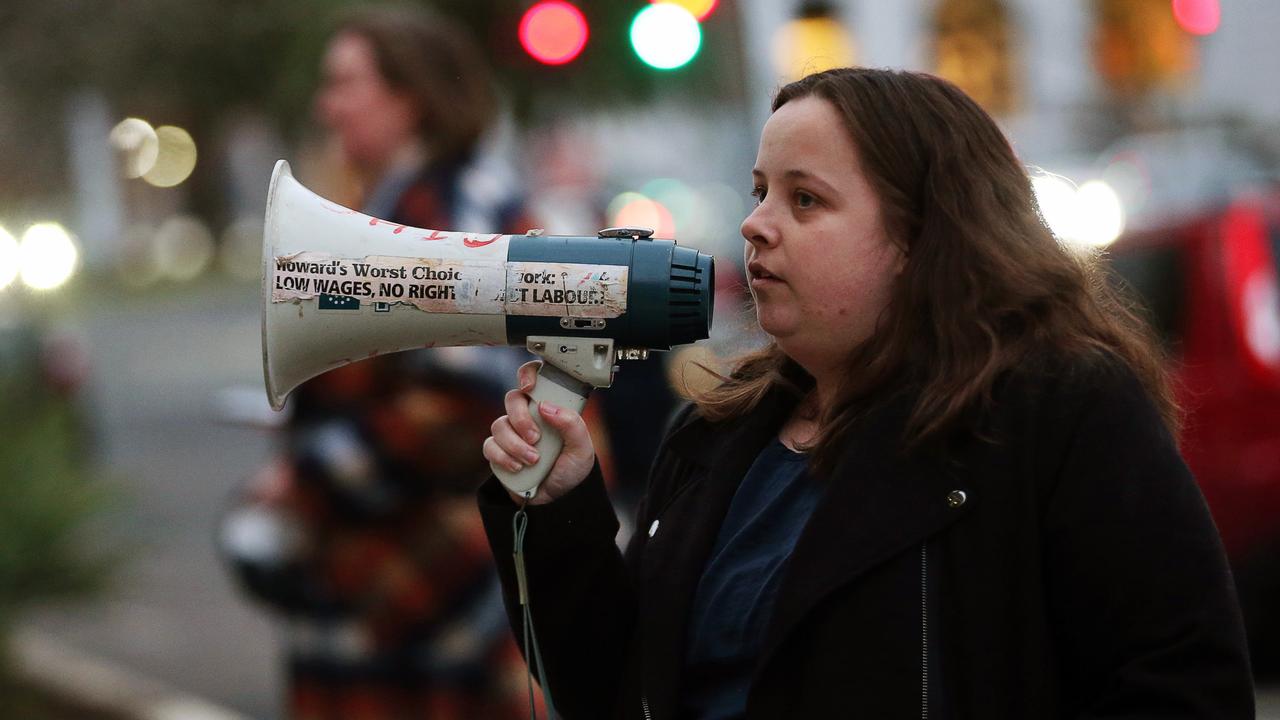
568	423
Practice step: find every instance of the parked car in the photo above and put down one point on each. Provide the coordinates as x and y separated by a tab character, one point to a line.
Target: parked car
1207	274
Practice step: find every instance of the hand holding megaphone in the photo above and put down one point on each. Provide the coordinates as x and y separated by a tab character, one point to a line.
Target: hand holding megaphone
543	430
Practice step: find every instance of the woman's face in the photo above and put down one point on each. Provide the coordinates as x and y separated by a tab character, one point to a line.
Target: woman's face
819	261
371	119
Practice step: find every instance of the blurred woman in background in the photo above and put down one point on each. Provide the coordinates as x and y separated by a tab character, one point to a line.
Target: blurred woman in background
364	534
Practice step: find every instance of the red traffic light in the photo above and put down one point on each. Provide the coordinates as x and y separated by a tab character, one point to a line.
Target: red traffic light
553	32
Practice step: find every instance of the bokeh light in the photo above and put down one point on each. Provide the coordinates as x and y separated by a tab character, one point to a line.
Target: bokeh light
699	9
553	32
184	247
665	36
1057	199
632	209
685	206
175	159
812	44
1261	307
1100	215
47	256
137	146
1091	216
1198	17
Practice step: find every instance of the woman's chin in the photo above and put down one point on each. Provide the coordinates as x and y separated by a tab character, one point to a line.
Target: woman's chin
775	327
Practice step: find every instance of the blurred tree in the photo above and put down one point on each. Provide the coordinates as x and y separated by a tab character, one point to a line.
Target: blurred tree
170	61
48	499
190	62
195	58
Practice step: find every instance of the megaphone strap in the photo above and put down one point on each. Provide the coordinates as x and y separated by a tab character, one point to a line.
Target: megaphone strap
532	653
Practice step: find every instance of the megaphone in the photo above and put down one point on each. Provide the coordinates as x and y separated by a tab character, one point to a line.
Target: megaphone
339	286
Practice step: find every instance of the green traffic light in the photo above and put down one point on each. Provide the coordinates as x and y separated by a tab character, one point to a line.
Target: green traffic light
665	36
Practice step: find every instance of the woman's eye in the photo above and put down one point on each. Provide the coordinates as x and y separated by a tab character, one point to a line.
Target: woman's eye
804	200
757	194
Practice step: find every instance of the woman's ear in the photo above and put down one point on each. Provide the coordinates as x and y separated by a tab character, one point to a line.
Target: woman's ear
903	255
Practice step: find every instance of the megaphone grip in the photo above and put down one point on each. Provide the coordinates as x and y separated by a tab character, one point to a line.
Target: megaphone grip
547	388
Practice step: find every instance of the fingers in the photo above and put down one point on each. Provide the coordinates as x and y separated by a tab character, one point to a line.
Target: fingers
577	440
499	457
512	444
517	403
527	375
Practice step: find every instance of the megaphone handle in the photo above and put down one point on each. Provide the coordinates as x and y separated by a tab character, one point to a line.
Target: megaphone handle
551	386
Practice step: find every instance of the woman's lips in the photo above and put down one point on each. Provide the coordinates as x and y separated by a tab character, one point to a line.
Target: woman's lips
760	276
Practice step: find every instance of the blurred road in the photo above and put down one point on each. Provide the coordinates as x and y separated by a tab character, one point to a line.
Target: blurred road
157	362
157	359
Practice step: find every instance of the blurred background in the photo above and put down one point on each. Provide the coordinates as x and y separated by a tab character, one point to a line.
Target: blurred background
136	142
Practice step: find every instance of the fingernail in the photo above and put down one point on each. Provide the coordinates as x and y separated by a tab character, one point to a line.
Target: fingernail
549	409
515	467
531	456
532	437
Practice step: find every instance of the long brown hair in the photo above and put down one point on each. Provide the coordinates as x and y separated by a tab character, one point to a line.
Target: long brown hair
986	285
439	66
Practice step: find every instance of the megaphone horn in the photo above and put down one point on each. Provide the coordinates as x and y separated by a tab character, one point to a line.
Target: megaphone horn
339	286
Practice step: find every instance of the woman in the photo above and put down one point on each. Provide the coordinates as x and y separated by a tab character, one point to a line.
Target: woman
947	488
381	565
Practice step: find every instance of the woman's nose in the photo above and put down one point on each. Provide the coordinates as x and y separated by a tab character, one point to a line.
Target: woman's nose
756	228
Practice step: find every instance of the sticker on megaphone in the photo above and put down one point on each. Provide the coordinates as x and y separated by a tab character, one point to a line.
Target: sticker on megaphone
439	285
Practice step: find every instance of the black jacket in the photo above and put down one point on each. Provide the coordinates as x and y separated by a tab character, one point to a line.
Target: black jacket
1068	569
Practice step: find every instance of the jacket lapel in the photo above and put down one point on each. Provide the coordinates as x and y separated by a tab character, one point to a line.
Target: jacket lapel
676	555
878	504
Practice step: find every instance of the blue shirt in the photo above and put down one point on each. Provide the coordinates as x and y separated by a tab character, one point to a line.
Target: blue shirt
734	600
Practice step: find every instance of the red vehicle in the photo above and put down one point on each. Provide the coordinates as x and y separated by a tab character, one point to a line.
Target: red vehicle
1209	281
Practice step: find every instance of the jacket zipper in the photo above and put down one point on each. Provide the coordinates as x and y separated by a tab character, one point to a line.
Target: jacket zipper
644	703
924	633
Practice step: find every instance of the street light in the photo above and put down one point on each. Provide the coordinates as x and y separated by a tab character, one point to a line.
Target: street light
47	256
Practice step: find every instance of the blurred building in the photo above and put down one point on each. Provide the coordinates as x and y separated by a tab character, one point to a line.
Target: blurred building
1063	77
